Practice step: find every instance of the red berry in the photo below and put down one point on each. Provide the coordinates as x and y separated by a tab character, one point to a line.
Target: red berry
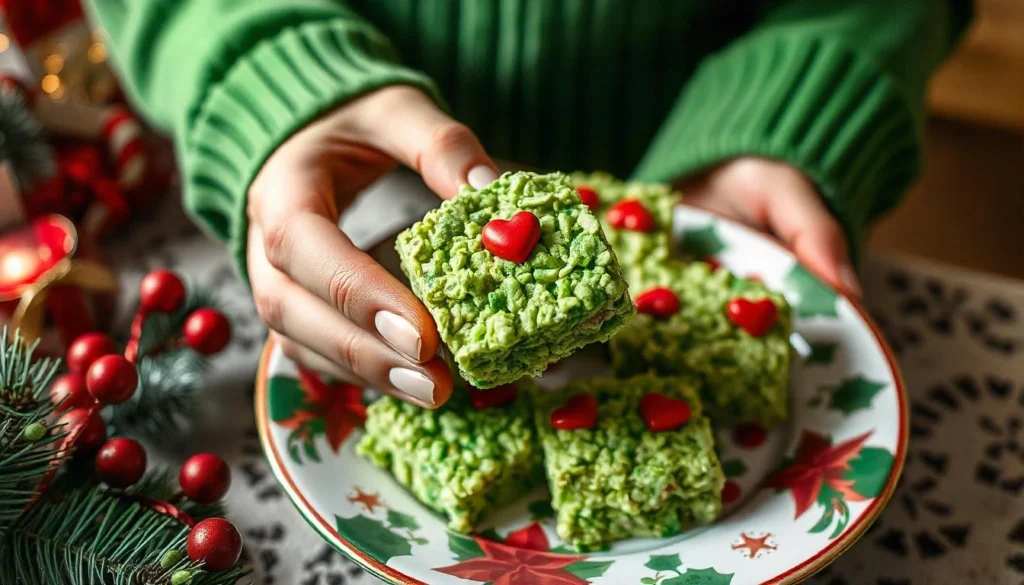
749	435
659	302
68	391
512	239
86	349
85	429
730	492
630	214
493	398
161	291
662	413
579	412
120	462
754	317
207	331
215	542
204	478
111	379
589	197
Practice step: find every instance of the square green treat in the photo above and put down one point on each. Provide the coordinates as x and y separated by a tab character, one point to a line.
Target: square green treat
502	320
634	248
744	378
458	460
620	480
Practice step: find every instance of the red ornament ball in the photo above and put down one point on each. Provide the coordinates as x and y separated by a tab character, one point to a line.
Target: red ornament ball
69	391
207	331
86	349
161	291
120	462
85	428
111	379
215	542
204	478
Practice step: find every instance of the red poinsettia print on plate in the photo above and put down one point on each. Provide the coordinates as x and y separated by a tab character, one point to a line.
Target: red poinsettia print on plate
312	407
832	476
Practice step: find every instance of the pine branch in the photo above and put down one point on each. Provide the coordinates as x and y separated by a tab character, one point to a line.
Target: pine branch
23	144
88	534
29	443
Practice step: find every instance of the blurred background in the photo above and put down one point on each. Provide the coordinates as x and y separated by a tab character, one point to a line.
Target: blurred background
974	156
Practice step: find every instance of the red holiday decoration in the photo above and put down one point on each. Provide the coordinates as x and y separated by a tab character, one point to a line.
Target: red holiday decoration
630	214
207	331
508	565
215	542
712	263
819	464
493	398
589	197
749	435
333	410
161	291
659	302
86	349
69	391
530	537
111	379
730	492
204	478
662	413
754	317
85	428
120	462
512	239
579	412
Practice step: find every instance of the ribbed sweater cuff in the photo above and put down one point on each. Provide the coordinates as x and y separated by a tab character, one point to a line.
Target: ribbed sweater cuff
269	93
821	107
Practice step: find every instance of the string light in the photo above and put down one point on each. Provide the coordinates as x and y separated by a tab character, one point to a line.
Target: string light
50	83
4	42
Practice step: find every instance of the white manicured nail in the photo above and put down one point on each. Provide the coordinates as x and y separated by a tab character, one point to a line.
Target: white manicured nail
480	176
399	333
412	383
850	281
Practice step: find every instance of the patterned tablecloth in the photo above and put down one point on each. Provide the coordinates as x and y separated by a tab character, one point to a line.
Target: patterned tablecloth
957	517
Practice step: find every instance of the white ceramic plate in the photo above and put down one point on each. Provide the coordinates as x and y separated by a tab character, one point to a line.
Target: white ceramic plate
797	495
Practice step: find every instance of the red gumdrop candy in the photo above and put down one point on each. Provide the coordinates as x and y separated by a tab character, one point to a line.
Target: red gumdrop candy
579	412
659	302
754	317
630	214
512	239
662	413
589	197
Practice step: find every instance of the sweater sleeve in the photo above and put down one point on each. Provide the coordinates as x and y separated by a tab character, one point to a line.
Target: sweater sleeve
233	79
835	88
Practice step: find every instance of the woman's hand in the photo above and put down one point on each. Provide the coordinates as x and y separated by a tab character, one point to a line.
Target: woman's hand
774	197
331	306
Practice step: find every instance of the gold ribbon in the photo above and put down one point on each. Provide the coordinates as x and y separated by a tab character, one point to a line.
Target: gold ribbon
87	275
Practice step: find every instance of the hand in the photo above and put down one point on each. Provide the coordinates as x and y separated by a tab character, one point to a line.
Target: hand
331	306
774	197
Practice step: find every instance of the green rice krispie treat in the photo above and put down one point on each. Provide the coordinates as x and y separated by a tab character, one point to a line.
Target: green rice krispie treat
730	332
517	275
636	217
628	458
477	452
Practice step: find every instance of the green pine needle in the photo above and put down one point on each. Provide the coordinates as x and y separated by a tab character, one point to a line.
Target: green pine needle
29	442
22	142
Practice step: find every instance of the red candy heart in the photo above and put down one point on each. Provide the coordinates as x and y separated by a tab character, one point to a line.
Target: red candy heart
712	263
662	413
754	317
630	214
512	239
493	398
659	302
589	197
579	412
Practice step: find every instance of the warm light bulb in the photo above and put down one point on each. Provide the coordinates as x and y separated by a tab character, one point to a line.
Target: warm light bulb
4	43
18	265
50	83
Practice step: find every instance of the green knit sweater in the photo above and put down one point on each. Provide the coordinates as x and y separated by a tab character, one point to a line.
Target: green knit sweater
656	89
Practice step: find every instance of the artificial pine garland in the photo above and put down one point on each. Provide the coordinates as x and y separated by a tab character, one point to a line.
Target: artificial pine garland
76	508
22	142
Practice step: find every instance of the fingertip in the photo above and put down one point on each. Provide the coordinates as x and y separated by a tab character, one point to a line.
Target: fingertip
437	369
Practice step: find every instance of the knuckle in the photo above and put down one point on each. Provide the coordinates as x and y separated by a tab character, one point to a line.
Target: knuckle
347	353
276	240
449	136
270	309
342	287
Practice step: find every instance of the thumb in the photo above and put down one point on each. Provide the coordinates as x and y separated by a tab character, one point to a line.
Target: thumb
446	153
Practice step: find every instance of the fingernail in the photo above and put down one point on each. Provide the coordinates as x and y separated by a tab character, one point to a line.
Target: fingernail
480	176
412	383
399	333
850	281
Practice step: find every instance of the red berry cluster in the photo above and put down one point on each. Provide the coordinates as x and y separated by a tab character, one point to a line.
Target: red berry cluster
206	330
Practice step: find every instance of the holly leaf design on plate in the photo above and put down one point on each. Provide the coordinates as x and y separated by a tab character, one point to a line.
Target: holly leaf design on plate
734	467
822	353
541	509
854	394
699	243
587	570
373	537
402	520
663	562
870	471
708	576
808	295
463	547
